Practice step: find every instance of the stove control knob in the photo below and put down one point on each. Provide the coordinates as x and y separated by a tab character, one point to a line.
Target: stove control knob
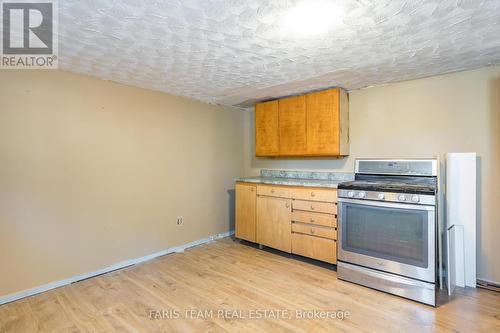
415	198
381	196
361	195
350	194
402	197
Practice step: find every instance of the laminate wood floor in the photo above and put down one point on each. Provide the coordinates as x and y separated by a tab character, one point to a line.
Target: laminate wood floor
225	286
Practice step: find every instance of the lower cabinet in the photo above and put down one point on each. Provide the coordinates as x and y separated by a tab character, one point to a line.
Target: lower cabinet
273	222
296	220
246	200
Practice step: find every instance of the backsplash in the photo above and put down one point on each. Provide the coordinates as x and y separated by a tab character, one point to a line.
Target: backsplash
318	175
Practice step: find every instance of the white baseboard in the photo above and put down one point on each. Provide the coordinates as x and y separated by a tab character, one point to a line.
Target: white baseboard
488	282
122	264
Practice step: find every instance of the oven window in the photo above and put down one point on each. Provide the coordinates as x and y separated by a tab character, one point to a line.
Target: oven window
388	233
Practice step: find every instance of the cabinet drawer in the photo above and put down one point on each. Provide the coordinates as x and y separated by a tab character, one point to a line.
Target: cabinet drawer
314	218
273	191
309	229
314	247
314	194
312	206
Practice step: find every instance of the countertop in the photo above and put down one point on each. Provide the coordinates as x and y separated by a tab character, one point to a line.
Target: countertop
290	181
299	178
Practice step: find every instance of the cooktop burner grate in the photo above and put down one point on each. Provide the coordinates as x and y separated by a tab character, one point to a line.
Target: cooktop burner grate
401	184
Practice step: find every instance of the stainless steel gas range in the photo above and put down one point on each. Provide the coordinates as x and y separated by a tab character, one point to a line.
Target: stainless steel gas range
387	227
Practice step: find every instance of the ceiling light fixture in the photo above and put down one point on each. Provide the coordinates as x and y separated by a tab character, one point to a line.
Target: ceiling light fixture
310	18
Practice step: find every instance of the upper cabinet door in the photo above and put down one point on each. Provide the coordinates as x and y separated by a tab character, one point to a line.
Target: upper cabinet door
292	126
323	122
266	129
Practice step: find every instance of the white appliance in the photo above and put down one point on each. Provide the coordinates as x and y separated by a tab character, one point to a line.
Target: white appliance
460	198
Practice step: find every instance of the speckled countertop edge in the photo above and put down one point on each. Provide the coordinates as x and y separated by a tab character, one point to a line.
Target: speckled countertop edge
299	178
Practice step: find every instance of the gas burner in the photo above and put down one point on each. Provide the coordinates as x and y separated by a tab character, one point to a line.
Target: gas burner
410	185
410	177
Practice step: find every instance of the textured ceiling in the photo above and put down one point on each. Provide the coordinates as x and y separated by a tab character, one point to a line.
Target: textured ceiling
235	51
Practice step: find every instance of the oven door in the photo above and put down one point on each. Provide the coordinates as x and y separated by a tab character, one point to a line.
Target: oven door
391	237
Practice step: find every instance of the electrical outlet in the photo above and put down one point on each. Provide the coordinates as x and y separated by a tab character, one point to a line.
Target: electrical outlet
179	220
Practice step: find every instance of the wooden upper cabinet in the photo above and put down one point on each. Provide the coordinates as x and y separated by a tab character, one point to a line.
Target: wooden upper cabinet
266	129
314	124
323	117
292	126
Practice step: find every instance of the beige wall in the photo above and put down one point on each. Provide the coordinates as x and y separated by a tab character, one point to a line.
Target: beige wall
458	112
93	173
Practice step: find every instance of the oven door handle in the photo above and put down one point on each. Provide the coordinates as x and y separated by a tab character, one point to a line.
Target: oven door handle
386	204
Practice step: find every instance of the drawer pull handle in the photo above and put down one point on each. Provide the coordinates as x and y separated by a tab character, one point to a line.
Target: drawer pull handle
311	220
312	231
312	207
312	194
